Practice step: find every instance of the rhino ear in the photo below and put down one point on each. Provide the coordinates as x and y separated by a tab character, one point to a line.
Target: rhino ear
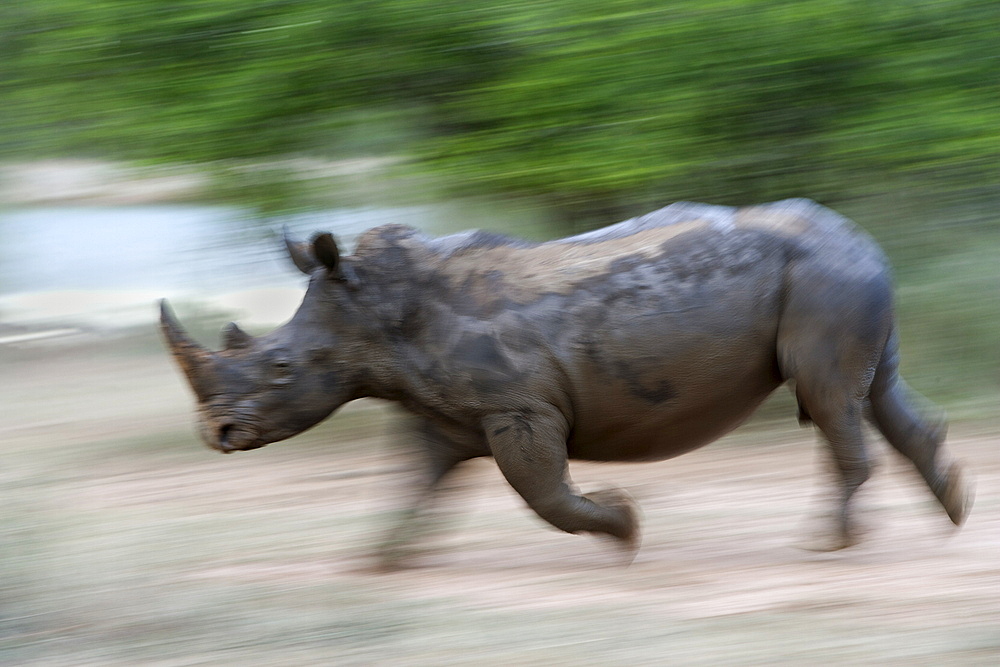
325	250
301	254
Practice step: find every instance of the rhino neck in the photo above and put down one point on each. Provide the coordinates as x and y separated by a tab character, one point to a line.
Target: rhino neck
395	359
412	310
390	369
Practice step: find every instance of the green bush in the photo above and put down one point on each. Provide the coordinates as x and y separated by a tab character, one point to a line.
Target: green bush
596	108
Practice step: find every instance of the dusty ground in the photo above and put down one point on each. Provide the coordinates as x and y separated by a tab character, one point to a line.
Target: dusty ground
123	541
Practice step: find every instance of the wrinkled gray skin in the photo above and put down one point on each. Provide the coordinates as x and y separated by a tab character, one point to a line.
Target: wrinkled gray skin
637	342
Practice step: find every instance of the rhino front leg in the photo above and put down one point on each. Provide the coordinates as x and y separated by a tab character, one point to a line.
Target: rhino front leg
413	522
530	449
438	456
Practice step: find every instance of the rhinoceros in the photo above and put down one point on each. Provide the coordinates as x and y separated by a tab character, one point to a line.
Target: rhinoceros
636	342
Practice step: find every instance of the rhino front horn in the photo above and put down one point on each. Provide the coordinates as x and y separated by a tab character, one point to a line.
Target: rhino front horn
196	361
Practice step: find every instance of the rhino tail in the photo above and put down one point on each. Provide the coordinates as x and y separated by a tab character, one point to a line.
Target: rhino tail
917	429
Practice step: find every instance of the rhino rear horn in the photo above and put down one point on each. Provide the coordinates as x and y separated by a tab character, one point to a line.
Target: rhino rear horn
234	338
197	362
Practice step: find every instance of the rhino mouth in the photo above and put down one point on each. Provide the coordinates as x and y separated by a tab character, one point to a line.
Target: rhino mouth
231	438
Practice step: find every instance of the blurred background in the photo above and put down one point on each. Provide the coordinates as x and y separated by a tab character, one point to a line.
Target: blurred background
153	148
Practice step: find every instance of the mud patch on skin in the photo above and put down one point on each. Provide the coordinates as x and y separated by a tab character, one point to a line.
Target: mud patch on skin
480	352
520	336
485	265
653	392
773	218
526	273
478	357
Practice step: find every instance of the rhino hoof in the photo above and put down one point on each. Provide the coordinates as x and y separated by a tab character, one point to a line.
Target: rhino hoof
392	560
828	534
959	495
629	538
828	542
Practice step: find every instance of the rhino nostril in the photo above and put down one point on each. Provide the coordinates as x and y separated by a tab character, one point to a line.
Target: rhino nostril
224	431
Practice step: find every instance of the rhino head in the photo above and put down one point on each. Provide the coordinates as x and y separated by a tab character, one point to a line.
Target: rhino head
260	390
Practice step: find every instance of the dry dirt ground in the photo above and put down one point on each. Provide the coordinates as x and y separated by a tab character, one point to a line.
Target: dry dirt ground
124	542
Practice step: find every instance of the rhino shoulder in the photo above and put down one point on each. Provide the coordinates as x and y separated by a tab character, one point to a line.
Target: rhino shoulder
388	236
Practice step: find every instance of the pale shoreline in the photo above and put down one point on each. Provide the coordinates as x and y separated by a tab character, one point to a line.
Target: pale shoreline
76	181
95	182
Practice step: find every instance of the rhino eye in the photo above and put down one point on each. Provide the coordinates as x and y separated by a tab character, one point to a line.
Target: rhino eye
281	371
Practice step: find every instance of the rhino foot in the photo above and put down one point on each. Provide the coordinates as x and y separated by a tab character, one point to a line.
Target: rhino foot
829	534
631	538
958	494
392	558
403	542
824	542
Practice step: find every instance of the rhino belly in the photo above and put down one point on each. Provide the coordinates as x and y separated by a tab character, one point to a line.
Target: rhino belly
620	426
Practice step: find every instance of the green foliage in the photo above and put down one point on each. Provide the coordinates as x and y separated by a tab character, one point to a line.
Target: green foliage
620	102
211	79
590	106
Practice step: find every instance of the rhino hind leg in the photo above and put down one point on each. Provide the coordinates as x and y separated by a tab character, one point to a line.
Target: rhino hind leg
830	339
920	439
840	424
